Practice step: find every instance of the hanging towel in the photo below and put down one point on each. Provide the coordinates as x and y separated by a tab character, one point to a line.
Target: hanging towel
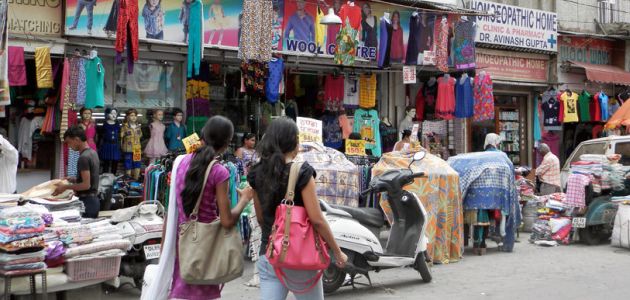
537	130
43	66
195	33
17	67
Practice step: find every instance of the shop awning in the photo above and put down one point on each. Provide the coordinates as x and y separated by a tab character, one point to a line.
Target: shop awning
604	73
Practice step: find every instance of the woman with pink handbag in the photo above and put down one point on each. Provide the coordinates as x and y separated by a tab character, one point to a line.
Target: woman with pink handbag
291	219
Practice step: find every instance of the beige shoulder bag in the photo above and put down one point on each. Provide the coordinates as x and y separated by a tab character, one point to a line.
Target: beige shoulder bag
209	253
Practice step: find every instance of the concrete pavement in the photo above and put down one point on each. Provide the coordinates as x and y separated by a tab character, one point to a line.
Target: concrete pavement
530	272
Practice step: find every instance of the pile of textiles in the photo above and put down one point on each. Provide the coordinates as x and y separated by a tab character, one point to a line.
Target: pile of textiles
47	189
606	172
621	199
53	206
9	200
552	223
21	241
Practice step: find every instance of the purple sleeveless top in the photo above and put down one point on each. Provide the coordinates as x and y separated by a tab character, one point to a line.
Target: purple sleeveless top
208	211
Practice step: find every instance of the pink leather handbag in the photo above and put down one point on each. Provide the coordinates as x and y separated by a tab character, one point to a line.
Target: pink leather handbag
294	244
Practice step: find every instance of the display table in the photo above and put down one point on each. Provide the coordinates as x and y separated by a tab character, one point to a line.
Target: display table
33	289
439	193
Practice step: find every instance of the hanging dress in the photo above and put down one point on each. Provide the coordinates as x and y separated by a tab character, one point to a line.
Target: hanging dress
385	45
445	104
484	98
156	147
464	100
127	32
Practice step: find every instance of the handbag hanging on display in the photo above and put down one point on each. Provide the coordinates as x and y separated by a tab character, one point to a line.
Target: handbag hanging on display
208	252
294	244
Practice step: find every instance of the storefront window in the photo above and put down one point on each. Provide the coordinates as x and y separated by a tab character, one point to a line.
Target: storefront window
152	84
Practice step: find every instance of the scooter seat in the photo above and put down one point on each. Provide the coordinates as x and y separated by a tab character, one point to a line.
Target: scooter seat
365	215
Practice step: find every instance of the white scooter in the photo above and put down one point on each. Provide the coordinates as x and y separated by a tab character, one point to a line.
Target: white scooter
356	230
142	225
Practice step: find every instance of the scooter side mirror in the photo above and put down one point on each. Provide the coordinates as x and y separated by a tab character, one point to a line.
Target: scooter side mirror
418	156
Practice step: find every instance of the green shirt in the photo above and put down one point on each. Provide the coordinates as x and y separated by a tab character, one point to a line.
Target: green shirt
584	102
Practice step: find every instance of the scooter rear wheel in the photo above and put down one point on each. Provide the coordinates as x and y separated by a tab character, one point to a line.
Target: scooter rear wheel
333	278
422	266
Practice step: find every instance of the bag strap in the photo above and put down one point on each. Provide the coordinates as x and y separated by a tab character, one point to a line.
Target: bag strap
195	212
293	177
311	283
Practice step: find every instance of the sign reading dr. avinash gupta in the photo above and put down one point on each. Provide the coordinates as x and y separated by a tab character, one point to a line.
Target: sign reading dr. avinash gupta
516	26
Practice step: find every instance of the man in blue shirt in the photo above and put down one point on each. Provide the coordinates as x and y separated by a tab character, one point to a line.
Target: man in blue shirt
301	23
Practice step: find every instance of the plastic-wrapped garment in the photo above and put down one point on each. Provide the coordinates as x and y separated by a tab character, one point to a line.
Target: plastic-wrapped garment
621	228
337	178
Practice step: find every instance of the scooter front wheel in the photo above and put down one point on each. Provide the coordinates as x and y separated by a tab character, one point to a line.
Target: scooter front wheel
333	278
422	266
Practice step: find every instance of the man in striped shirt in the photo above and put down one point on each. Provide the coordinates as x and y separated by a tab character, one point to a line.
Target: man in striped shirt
548	171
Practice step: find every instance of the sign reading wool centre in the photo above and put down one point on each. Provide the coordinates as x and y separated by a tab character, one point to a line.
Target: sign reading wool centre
516	26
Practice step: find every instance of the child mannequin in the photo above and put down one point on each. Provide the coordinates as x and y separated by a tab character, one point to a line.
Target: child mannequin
130	136
176	131
109	151
156	146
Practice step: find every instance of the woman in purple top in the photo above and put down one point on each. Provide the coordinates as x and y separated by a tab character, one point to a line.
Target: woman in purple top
216	135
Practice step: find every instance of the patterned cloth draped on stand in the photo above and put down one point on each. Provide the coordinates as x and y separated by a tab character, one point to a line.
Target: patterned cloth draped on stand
337	178
440	195
256	30
487	182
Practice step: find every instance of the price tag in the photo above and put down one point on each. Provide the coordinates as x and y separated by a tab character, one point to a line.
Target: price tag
152	251
579	222
310	130
137	153
191	143
409	74
355	147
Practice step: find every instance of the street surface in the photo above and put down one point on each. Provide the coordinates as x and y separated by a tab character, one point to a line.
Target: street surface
530	272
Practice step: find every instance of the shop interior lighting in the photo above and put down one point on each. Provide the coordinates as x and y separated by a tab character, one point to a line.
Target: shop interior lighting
330	18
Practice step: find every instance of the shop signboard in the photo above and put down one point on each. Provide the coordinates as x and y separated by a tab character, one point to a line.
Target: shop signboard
355	147
310	130
191	143
409	74
586	50
36	17
513	65
515	26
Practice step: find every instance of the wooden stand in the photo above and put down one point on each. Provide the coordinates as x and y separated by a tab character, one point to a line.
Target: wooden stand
7	285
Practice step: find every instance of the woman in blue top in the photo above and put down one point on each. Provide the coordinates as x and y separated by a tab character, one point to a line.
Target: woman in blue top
175	132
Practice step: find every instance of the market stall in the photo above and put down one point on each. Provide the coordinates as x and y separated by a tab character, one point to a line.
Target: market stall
45	234
440	195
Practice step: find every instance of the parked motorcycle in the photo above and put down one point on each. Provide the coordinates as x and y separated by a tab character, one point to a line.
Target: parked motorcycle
357	230
142	225
596	225
106	190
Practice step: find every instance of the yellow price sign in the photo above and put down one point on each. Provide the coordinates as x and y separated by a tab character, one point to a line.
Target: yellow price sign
191	143
355	147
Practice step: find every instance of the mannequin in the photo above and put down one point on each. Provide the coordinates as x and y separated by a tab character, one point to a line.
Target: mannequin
407	122
176	131
109	151
130	135
386	121
88	125
156	146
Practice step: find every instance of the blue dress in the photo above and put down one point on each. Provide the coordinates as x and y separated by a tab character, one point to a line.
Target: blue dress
464	102
110	147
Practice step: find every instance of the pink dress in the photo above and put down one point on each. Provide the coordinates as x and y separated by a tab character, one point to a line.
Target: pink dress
90	133
156	147
208	212
445	104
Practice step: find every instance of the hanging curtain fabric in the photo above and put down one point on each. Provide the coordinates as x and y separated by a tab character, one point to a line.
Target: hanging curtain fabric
127	32
17	66
43	68
256	30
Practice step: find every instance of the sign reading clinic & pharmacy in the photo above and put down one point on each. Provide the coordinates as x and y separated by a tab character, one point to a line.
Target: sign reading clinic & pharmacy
37	17
515	26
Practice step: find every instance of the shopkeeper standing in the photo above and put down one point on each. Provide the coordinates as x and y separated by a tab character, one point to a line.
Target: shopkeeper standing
86	184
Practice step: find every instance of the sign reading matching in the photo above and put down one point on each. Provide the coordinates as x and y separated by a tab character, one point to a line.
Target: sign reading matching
516	26
355	147
41	17
311	130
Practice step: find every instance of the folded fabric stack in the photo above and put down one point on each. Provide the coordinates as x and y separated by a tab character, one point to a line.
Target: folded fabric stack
47	189
63	217
551	227
21	235
9	200
52	206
